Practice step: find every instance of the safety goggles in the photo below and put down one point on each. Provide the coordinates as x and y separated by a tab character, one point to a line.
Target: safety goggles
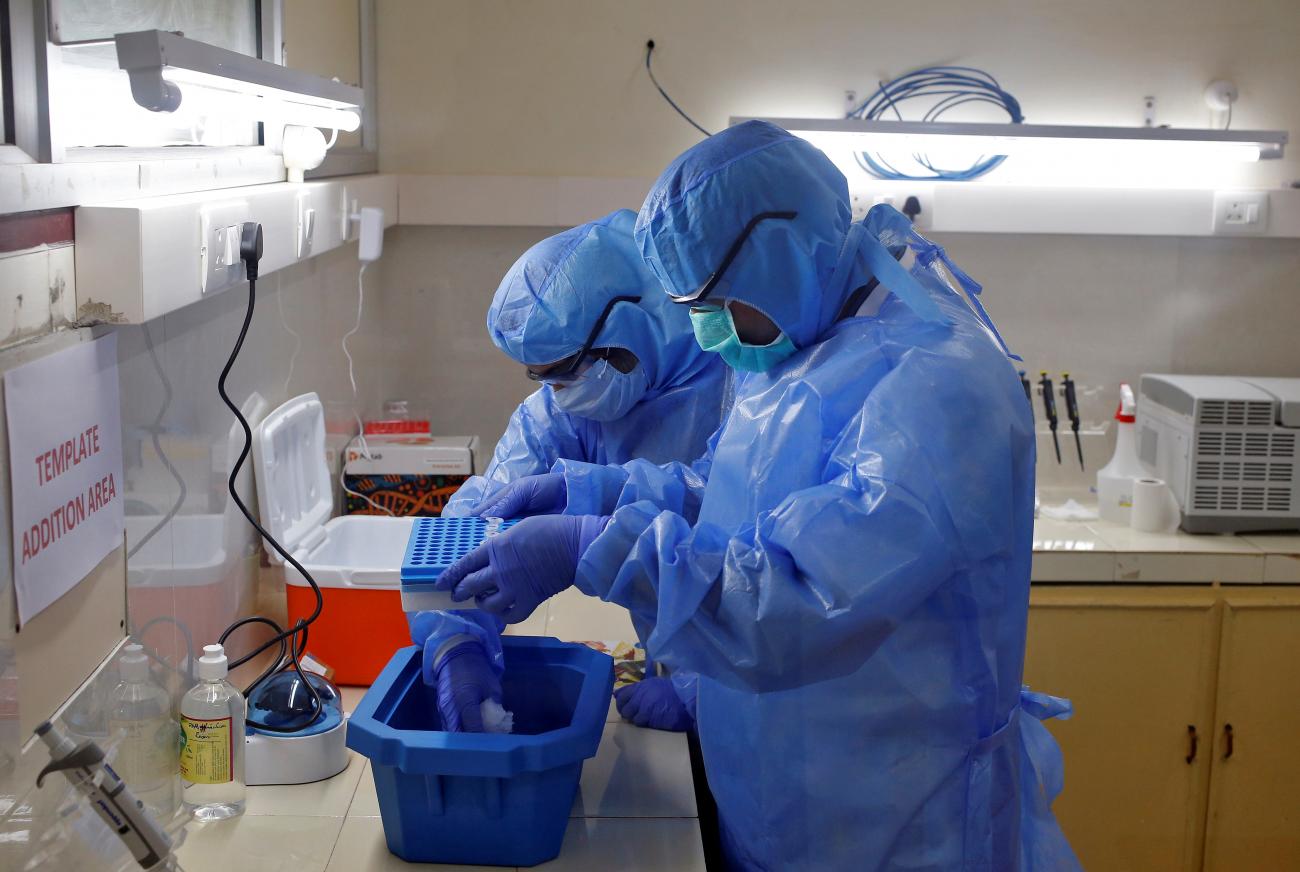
567	369
709	286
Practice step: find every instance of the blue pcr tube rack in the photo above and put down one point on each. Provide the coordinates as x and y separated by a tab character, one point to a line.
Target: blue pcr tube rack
434	545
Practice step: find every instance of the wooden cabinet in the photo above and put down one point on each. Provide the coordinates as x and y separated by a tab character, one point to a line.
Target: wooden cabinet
1254	811
1184	753
1139	665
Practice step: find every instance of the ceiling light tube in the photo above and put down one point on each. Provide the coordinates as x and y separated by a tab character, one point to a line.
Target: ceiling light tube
162	66
1044	140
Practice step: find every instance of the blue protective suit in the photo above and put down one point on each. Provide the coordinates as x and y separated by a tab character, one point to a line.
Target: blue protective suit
542	312
847	568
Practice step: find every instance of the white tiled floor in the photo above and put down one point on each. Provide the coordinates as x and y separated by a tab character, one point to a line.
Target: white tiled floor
637	773
261	843
576	617
329	798
629	845
361	848
635	810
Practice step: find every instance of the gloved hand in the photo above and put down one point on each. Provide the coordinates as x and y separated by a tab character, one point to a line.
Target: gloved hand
464	679
653	703
512	573
543	494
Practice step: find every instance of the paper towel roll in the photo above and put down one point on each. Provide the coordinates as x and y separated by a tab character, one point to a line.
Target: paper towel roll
1153	506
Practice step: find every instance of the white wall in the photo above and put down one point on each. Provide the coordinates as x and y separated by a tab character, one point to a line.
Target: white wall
494	87
559	88
1104	308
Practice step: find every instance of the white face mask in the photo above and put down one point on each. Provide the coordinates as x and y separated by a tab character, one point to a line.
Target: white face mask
602	393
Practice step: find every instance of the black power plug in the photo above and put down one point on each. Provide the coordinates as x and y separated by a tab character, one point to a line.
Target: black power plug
250	247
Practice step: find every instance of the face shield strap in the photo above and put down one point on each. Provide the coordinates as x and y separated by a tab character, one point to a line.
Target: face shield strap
927	252
899	281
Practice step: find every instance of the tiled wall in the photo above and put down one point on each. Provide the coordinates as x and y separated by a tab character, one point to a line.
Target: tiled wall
438	285
1104	308
192	563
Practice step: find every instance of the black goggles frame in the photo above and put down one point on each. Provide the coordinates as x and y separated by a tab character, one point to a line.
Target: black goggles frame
566	369
708	287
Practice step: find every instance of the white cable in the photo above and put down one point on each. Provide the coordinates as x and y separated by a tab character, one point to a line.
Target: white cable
356	412
297	340
347	490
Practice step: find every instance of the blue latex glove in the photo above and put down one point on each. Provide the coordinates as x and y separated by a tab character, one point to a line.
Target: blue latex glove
464	678
653	703
511	574
542	494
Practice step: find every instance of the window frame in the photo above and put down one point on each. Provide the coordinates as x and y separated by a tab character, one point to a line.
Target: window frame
31	54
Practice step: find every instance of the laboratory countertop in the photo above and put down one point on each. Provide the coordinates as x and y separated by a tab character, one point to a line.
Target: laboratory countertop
1102	551
635	810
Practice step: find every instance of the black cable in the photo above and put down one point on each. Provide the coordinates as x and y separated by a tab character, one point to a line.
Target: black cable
649	50
250	261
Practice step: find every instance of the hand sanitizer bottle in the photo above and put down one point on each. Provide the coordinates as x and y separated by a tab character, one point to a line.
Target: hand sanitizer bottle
140	722
212	742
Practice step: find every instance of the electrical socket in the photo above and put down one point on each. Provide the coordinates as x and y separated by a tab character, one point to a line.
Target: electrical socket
219	230
1240	213
306	230
861	201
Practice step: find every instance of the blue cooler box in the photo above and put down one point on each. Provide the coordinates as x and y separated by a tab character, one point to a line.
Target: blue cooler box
477	798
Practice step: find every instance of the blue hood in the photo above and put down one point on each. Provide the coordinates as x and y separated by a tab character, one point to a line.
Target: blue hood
550	299
705	198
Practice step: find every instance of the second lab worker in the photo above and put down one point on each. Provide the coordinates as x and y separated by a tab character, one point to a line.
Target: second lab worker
848	567
622	377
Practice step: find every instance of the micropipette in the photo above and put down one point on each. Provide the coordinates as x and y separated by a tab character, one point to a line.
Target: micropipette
1072	410
1049	409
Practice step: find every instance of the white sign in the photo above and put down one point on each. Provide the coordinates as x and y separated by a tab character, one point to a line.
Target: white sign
65	465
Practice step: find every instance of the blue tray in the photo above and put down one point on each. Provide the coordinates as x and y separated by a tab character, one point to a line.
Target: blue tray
435	544
477	798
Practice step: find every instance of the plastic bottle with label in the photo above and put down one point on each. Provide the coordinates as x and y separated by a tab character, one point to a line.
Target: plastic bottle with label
141	725
213	714
1115	479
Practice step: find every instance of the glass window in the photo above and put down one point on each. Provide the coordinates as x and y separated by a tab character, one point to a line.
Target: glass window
323	37
229	24
5	100
90	98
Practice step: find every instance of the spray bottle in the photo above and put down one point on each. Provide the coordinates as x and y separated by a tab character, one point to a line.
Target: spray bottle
1115	479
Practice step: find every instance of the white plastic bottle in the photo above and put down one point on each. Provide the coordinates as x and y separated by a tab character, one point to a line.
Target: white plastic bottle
140	722
1115	479
212	750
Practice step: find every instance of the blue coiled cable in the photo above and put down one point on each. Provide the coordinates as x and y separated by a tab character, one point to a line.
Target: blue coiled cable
948	87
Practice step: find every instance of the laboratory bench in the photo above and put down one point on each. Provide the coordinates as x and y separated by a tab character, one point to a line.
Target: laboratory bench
635	808
1181	654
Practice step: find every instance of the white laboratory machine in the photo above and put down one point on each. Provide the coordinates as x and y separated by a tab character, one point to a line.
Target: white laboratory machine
1229	448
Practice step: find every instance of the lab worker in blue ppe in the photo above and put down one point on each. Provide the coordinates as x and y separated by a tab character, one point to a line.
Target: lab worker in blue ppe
621	378
847	567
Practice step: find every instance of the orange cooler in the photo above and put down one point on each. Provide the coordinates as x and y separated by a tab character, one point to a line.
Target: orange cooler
356	560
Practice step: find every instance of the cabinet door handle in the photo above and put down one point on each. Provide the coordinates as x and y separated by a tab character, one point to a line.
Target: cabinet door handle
1227	741
1192	741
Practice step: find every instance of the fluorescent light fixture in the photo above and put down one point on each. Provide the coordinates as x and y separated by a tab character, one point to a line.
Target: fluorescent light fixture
1134	144
167	70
